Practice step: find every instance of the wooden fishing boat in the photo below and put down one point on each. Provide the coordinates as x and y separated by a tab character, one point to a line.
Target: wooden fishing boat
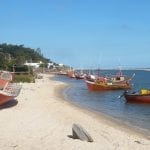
62	73
107	83
3	83
5	78
4	98
71	74
138	97
9	93
99	86
79	76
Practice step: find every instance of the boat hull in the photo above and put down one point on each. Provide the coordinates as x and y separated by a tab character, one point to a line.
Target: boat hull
5	98
92	86
71	74
79	77
3	83
137	98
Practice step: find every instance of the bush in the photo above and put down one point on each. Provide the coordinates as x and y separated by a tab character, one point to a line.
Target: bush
24	78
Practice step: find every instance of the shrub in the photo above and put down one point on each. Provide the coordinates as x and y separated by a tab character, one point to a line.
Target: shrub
24	78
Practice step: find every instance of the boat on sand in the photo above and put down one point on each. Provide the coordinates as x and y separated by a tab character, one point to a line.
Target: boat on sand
9	92
5	78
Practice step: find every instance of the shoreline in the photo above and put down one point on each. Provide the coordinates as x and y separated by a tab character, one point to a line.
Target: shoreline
60	91
43	120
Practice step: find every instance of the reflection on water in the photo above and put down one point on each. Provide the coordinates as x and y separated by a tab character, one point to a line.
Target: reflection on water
108	103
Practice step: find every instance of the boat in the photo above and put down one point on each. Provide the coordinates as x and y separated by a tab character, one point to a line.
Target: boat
98	86
100	83
4	98
5	78
142	96
62	73
79	76
9	93
71	73
3	83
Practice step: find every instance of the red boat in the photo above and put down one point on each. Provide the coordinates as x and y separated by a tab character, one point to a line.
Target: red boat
9	93
105	83
4	98
99	86
138	97
5	78
3	83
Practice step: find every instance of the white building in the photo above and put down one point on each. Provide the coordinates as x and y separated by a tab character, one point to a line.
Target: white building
35	65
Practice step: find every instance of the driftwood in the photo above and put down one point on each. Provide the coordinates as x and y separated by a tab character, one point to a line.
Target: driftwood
79	132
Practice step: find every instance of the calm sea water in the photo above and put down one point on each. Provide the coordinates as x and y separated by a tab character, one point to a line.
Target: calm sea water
107	102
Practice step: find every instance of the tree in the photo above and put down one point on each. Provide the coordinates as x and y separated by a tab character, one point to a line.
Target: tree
19	54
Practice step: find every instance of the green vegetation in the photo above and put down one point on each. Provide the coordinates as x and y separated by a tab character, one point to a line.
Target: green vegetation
11	55
24	78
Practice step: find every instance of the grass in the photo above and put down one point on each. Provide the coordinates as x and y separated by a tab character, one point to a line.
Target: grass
24	78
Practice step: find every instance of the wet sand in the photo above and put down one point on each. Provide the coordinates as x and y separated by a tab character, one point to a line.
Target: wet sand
41	120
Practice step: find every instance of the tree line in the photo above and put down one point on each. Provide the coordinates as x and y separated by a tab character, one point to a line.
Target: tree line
17	55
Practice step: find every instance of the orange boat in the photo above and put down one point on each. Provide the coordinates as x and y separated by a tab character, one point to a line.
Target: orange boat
105	83
5	78
3	83
98	86
4	98
138	97
9	93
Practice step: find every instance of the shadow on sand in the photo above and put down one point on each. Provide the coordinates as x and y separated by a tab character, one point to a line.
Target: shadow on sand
9	104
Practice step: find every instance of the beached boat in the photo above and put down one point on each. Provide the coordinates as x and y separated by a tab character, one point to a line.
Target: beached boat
5	78
108	83
4	98
9	93
143	96
3	83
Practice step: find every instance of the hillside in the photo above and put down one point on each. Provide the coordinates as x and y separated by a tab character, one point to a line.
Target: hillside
18	54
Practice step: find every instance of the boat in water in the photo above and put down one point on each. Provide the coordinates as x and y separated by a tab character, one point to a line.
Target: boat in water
71	74
61	73
100	83
79	75
142	96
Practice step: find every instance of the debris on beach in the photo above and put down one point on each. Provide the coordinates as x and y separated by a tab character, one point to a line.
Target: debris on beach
78	132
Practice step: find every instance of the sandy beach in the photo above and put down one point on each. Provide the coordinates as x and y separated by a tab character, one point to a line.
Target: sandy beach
42	120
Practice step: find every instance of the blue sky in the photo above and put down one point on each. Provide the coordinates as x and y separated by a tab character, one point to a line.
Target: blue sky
81	33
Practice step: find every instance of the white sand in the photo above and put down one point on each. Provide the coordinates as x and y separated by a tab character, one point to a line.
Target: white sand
42	121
